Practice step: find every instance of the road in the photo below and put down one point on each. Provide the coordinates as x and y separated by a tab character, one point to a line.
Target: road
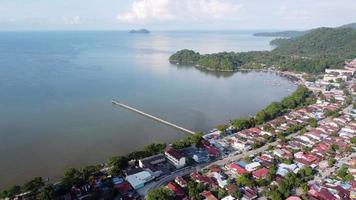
249	153
188	170
181	172
143	191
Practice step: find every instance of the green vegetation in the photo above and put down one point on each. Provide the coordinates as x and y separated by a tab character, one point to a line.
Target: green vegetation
299	98
160	193
245	180
291	34
194	140
194	189
243	123
344	174
313	52
291	180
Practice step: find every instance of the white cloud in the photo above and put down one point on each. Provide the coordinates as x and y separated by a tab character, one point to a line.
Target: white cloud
143	11
296	13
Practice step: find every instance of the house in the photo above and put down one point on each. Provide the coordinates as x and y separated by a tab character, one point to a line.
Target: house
177	191
152	160
260	173
201	179
306	158
228	198
201	157
138	180
222	181
293	198
150	164
208	195
252	166
241	145
284	169
177	159
322	194
236	169
212	151
180	181
249	194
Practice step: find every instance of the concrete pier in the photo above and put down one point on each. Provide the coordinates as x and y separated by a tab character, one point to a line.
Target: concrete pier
114	102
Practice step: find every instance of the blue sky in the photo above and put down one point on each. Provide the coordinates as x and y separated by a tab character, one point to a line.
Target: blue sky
174	14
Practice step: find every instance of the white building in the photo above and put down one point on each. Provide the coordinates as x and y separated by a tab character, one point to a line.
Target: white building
175	157
252	166
138	180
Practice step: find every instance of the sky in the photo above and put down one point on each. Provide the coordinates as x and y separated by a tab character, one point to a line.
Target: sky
174	14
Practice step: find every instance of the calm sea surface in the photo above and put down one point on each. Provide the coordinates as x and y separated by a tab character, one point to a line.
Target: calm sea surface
56	87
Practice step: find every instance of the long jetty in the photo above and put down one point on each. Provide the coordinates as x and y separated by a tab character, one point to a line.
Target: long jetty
114	102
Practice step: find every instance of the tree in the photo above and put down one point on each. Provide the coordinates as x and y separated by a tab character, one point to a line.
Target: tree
11	192
33	185
284	189
261	117
331	162
344	174
244	180
110	194
160	193
275	195
154	148
313	122
237	194
117	164
72	177
244	123
47	193
197	139
222	128
353	140
194	189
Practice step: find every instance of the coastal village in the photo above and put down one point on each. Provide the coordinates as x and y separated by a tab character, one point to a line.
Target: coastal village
306	153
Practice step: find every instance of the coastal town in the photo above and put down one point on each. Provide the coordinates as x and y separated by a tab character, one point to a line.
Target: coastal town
307	152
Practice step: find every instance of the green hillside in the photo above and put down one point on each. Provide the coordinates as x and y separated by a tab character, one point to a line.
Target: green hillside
320	42
292	34
313	52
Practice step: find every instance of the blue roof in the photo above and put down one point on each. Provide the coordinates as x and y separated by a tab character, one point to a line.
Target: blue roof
242	163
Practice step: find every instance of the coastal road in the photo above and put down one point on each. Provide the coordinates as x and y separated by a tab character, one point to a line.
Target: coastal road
181	172
249	153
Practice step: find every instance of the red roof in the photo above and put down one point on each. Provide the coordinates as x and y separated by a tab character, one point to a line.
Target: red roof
293	198
260	173
323	194
238	169
215	168
208	195
175	189
123	187
212	150
201	179
255	130
175	154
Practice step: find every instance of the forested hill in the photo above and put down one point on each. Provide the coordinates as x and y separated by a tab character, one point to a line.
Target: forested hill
292	34
320	42
313	52
352	25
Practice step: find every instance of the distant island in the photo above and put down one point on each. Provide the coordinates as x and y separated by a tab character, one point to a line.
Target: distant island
142	31
293	33
312	52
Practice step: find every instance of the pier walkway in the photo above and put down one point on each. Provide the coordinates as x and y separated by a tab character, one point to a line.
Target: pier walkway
114	102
